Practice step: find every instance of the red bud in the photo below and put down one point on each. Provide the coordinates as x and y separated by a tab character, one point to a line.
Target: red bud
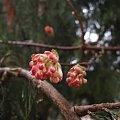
49	30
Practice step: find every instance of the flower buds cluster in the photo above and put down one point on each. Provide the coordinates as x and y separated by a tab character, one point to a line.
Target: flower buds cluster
76	76
49	30
46	65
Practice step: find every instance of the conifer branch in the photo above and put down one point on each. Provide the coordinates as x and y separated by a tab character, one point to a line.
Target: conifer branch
83	110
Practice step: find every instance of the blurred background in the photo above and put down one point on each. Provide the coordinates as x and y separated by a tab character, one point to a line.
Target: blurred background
25	20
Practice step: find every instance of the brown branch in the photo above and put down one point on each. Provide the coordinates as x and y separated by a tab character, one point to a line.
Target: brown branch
100	48
83	110
31	44
4	58
86	47
69	112
72	64
63	105
77	16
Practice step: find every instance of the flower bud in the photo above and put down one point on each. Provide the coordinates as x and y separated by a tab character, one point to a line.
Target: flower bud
41	66
78	69
35	57
48	74
52	69
40	59
43	76
73	74
60	71
47	52
68	74
74	83
68	79
31	63
33	70
37	75
84	81
54	79
53	57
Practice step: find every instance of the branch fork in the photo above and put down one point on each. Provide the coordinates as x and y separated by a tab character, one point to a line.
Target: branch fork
67	110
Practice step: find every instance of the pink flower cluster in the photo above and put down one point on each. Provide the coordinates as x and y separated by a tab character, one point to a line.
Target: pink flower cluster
76	76
45	66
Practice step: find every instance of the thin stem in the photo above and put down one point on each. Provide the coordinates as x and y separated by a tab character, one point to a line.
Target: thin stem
77	16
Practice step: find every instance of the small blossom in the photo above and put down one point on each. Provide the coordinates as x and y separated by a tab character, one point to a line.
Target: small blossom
76	76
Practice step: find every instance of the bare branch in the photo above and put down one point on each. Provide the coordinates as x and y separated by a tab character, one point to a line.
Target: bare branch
77	16
31	44
83	110
100	48
86	47
72	64
4	58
